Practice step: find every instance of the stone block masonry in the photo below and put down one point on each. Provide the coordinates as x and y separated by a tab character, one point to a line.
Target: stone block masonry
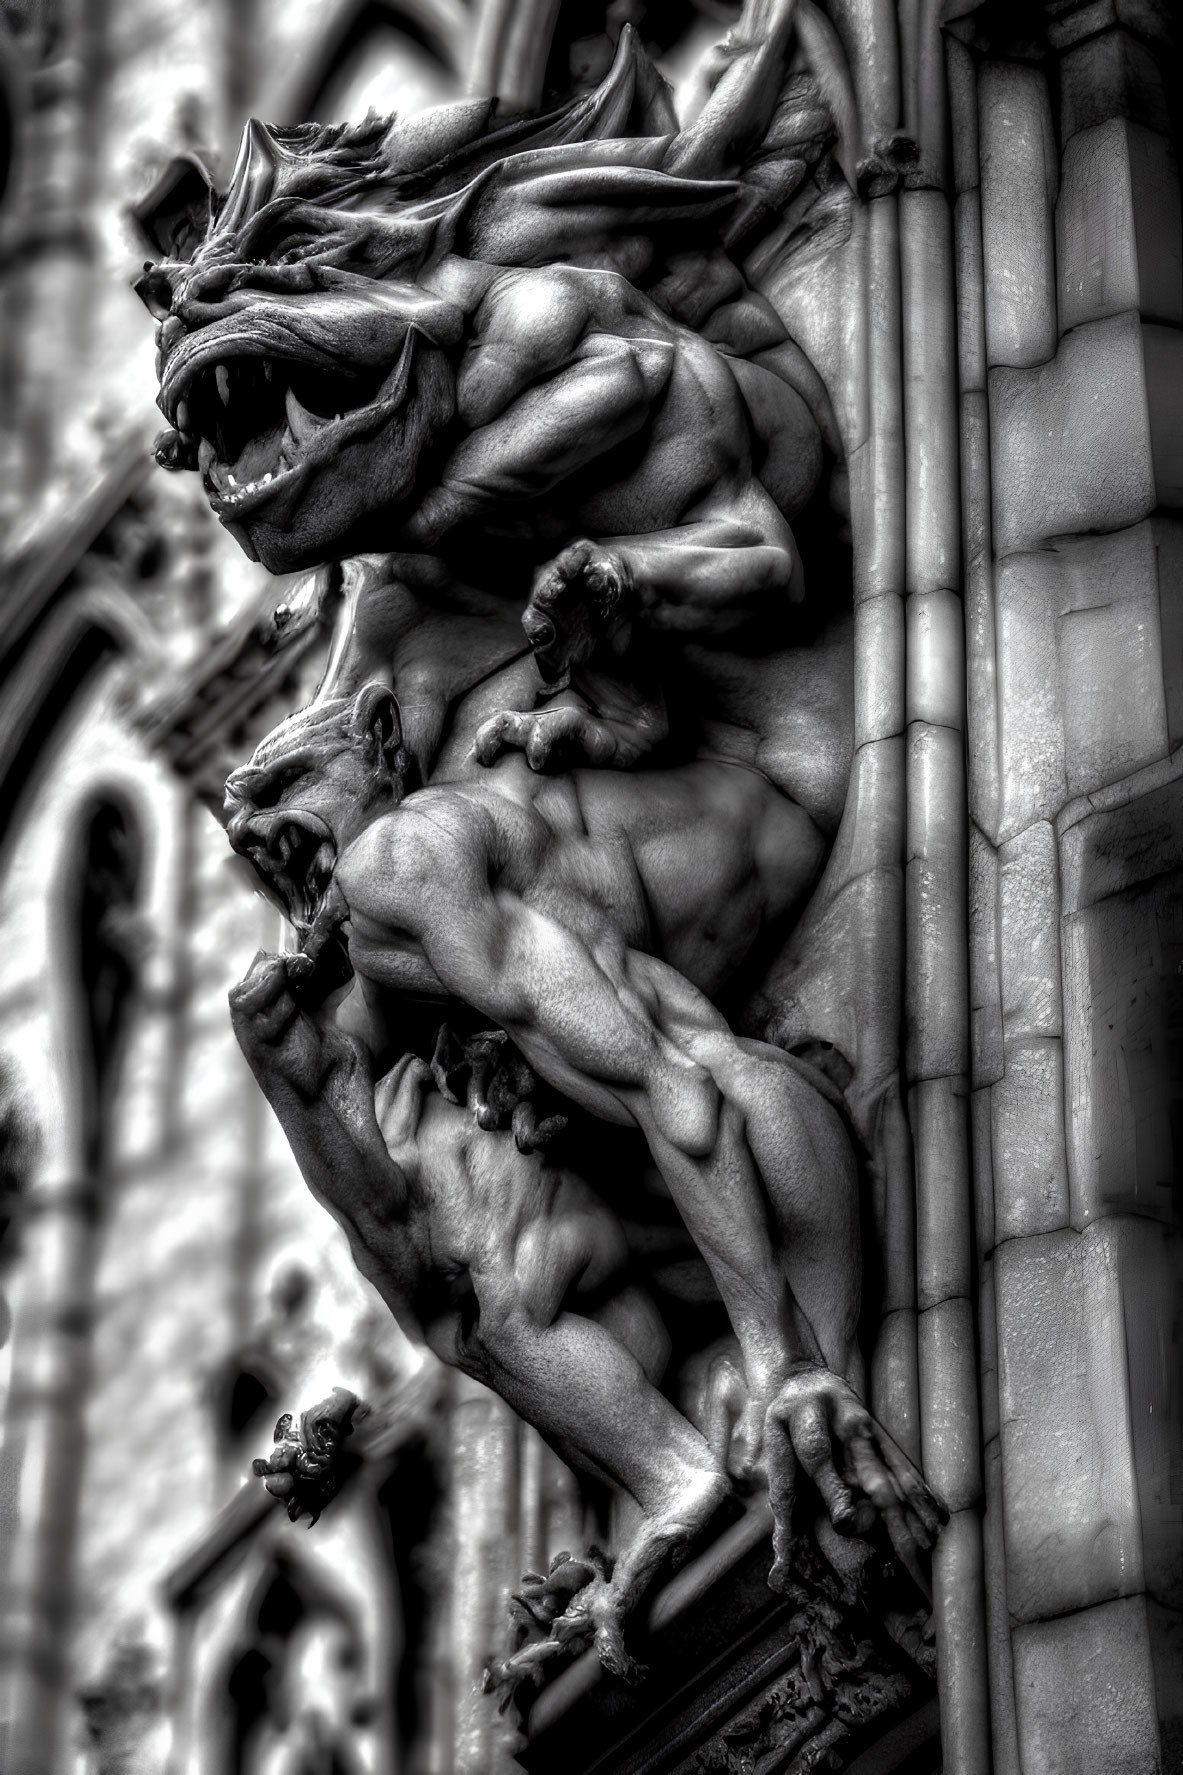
1072	482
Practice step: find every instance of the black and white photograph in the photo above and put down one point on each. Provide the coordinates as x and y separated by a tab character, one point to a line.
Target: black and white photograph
591	887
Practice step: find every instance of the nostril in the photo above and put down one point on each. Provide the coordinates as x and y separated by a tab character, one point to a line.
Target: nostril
155	291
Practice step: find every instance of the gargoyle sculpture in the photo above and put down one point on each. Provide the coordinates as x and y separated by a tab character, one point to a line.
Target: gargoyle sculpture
542	902
528	353
519	366
305	1467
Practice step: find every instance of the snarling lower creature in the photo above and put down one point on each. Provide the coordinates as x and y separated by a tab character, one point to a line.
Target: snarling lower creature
560	909
505	1263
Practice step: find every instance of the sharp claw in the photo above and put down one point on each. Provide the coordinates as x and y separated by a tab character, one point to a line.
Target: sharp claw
780	1577
540	630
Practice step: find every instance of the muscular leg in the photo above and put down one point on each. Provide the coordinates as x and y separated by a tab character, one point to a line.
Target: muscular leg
585	1381
590	1398
707	575
622	1032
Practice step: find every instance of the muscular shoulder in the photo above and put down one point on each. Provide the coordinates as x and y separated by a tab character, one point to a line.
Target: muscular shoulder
405	861
532	323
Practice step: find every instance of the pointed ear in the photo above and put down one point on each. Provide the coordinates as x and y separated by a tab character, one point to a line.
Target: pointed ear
175	215
375	714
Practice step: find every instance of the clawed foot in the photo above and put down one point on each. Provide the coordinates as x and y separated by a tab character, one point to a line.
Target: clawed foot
571	1608
579	599
818	1422
563	737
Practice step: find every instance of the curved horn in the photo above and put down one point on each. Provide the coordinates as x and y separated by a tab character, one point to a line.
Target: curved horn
254	175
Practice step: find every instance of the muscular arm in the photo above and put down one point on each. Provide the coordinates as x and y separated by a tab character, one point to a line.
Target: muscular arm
318	1082
552	427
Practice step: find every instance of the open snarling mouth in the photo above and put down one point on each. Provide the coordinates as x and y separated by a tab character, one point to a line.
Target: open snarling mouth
295	855
257	420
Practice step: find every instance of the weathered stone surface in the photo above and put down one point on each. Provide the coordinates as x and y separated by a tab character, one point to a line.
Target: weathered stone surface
1019	172
979	616
879	670
1110	656
971	292
985	992
1166	1652
959	1611
1111	74
1164	389
1029	944
1168	540
936	660
930	392
940	1132
895	1388
1122	845
963	111
949	1433
1027	1140
1073	1534
1004	1729
983	1170
1079	669
1084	1693
1033	783
1115	717
1070	447
936	1009
1119	243
1153	1299
877	465
1070	20
988	1350
1123	1087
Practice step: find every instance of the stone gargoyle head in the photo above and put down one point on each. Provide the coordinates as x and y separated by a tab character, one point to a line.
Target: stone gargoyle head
308	345
308	789
301	374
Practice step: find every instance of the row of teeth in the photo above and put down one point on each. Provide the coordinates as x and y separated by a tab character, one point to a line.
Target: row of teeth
302	425
237	492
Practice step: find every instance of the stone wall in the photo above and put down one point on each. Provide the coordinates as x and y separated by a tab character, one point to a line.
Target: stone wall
1075	689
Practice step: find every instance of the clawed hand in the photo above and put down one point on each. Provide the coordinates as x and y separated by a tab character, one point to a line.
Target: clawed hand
276	1036
579	599
818	1422
565	736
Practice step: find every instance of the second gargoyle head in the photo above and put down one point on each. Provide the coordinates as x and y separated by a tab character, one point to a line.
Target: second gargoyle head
308	789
